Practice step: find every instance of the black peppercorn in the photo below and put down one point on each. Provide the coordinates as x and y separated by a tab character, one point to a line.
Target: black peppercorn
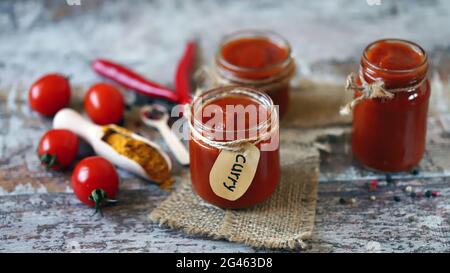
342	201
428	194
389	179
397	199
415	172
413	195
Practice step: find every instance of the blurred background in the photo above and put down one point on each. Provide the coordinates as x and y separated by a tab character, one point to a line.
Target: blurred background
327	36
37	211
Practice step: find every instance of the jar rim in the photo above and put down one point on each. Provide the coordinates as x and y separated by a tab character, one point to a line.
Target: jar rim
269	35
224	91
414	46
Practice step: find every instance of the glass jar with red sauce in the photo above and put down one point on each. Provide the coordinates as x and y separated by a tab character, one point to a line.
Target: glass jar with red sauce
259	59
389	133
233	129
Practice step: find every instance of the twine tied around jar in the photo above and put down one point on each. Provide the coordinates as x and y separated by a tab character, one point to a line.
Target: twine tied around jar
371	90
263	133
367	90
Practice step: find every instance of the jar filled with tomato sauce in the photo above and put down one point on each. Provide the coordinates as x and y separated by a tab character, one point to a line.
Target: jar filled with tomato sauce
259	59
392	94
234	146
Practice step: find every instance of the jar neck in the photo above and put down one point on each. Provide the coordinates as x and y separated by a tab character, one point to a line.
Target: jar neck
264	121
395	78
258	74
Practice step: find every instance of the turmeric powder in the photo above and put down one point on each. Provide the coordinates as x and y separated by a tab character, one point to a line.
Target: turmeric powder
149	158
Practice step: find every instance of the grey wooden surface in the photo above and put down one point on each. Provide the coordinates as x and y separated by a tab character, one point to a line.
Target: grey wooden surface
39	213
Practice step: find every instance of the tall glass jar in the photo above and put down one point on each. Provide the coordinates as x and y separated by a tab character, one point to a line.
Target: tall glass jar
259	59
389	128
235	161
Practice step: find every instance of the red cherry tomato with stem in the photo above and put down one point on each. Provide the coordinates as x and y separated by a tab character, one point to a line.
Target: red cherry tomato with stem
58	149
49	94
95	182
104	104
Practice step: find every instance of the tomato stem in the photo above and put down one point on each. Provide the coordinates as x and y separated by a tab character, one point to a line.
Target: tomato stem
49	160
100	197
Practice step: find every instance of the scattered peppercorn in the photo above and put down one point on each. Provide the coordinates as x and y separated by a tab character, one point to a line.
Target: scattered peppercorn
373	185
155	114
352	200
435	194
428	194
389	179
408	189
342	201
373	198
412	218
413	195
397	199
415	172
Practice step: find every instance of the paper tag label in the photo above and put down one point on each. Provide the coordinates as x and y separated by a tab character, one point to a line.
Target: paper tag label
233	172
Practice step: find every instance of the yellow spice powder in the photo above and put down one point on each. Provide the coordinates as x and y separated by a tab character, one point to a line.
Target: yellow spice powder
145	155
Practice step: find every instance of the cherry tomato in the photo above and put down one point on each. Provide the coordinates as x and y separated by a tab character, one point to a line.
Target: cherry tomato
95	182
49	94
104	104
58	149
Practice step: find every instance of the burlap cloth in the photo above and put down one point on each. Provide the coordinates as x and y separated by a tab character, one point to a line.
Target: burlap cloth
285	220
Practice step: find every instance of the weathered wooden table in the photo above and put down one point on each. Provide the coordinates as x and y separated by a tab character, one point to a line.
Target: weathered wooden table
38	212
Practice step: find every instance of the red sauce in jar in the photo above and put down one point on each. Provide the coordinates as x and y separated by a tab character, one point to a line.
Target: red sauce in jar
394	56
259	55
228	116
389	135
258	59
203	156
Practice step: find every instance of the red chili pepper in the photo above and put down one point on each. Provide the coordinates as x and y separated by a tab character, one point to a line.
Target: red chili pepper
373	185
183	73
132	80
435	194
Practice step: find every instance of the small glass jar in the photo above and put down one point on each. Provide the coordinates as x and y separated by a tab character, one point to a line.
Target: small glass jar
259	59
389	133
208	142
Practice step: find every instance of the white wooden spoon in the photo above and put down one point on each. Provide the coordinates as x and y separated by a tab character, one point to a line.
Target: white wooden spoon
93	134
157	116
